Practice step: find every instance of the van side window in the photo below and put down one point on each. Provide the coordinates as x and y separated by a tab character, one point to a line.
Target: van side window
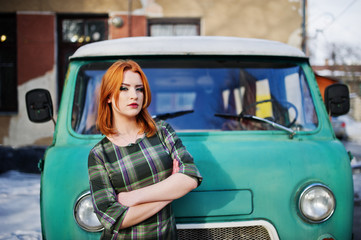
85	106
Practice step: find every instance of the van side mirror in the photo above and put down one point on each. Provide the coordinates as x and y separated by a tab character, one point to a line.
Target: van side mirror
337	99
39	105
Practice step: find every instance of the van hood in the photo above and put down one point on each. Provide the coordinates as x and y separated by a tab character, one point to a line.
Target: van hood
240	176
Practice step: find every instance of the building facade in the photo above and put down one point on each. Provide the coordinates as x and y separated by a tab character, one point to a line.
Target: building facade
38	36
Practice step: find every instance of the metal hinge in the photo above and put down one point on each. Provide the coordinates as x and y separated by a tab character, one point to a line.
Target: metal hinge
41	164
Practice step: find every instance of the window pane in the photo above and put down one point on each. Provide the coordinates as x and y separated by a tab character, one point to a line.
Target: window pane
203	88
73	30
174	102
174	27
82	30
185	30
95	30
85	108
162	30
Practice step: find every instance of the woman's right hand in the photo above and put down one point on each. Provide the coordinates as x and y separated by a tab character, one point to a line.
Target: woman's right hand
127	198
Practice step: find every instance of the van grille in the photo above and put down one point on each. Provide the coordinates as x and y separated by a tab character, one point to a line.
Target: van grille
227	233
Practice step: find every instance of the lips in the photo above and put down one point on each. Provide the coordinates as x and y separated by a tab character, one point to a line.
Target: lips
133	105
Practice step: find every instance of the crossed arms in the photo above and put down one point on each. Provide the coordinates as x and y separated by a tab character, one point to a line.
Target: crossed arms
145	202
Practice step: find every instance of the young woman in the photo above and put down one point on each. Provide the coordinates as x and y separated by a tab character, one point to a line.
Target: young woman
140	166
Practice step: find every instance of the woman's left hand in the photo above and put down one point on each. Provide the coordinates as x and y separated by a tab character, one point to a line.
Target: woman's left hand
175	166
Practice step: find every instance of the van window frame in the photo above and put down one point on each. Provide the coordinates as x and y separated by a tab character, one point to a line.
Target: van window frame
143	60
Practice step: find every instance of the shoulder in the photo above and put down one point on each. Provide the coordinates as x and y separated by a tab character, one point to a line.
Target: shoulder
163	126
100	144
166	132
99	154
99	148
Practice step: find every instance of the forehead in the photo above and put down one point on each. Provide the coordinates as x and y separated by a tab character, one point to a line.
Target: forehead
131	77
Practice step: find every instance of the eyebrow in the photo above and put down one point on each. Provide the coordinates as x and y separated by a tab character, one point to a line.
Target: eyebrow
126	84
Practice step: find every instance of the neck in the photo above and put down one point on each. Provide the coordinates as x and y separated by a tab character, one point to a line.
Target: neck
127	132
126	125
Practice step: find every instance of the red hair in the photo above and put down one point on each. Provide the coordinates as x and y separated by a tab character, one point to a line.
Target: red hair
111	83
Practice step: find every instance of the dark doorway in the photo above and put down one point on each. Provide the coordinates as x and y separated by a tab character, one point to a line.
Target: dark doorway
74	31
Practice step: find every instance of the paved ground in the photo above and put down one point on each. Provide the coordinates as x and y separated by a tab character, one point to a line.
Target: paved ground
357	203
357	223
355	149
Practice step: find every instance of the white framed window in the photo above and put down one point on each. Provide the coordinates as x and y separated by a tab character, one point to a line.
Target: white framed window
174	27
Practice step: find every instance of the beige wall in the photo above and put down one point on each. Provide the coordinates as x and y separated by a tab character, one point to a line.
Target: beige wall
67	6
279	20
275	20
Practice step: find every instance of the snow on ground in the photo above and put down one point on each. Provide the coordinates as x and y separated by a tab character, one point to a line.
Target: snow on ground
19	206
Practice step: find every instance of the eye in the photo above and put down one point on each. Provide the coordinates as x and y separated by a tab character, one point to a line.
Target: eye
141	89
122	88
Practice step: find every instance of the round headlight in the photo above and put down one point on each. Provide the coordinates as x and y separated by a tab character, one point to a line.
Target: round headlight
84	214
317	203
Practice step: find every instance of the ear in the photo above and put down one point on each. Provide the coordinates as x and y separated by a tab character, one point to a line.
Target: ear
109	100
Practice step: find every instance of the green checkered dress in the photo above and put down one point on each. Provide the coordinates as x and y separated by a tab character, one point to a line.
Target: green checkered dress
114	169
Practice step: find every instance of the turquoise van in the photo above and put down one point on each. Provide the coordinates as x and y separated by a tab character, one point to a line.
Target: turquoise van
251	114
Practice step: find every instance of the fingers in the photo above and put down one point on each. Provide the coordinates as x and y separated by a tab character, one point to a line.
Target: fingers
175	166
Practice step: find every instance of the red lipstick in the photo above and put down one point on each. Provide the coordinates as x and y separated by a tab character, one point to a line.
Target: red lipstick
133	105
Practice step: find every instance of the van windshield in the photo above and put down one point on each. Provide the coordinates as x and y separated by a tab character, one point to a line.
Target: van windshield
210	95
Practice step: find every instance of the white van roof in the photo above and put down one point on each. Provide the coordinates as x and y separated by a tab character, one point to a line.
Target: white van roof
195	45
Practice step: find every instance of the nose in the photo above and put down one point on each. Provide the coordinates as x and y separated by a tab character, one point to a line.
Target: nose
133	93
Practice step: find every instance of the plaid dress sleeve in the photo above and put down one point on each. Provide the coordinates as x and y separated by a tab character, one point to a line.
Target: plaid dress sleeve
178	151
110	213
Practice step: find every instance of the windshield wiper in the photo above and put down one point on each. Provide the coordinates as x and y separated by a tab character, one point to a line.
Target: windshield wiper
165	116
246	116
